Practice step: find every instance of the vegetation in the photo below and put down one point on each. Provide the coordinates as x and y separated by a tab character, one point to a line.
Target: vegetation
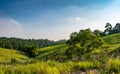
112	39
109	30
49	68
28	46
55	53
83	42
6	55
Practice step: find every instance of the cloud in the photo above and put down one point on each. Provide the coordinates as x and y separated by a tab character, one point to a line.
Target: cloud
9	27
76	19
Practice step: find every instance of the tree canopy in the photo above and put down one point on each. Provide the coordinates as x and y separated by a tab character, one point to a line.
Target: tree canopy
83	41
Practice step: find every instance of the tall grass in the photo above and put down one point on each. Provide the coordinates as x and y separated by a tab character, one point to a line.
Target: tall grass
113	66
48	68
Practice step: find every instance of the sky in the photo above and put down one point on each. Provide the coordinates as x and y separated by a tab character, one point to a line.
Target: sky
55	19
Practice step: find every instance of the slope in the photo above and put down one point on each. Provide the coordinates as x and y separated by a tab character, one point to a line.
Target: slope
52	52
57	52
112	39
7	54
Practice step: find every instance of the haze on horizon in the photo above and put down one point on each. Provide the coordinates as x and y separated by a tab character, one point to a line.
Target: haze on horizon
55	19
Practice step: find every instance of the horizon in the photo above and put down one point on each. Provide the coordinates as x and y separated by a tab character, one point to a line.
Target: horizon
55	19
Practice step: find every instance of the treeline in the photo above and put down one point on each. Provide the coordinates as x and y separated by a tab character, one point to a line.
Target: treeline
108	30
29	46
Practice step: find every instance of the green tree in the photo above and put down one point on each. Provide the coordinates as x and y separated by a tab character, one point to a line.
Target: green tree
116	29
108	28
83	42
31	50
97	32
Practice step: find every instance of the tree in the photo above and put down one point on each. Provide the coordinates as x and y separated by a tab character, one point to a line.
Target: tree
26	45
74	51
108	28
72	39
84	36
97	32
83	42
116	29
31	50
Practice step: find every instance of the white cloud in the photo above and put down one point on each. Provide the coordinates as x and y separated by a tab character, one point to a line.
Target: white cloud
76	19
9	27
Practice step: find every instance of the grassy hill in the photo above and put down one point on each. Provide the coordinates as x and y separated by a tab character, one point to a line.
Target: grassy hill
7	54
112	39
52	52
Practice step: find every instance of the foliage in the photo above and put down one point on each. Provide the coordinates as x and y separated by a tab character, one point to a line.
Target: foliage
97	32
83	42
108	28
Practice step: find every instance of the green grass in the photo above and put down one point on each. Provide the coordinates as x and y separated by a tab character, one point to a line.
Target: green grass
112	39
52	52
49	68
7	54
113	66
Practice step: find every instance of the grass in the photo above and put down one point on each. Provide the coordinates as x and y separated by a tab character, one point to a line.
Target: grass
7	54
113	66
112	39
48	68
52	52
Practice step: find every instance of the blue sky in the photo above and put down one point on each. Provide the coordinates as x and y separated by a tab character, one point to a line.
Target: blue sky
55	19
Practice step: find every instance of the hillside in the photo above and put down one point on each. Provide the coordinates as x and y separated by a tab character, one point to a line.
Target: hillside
7	54
112	39
52	52
108	50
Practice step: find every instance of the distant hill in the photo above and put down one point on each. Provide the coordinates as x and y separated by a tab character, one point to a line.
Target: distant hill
7	54
112	39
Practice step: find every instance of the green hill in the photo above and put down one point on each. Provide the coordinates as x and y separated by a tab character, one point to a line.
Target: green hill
57	52
112	39
52	52
7	54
